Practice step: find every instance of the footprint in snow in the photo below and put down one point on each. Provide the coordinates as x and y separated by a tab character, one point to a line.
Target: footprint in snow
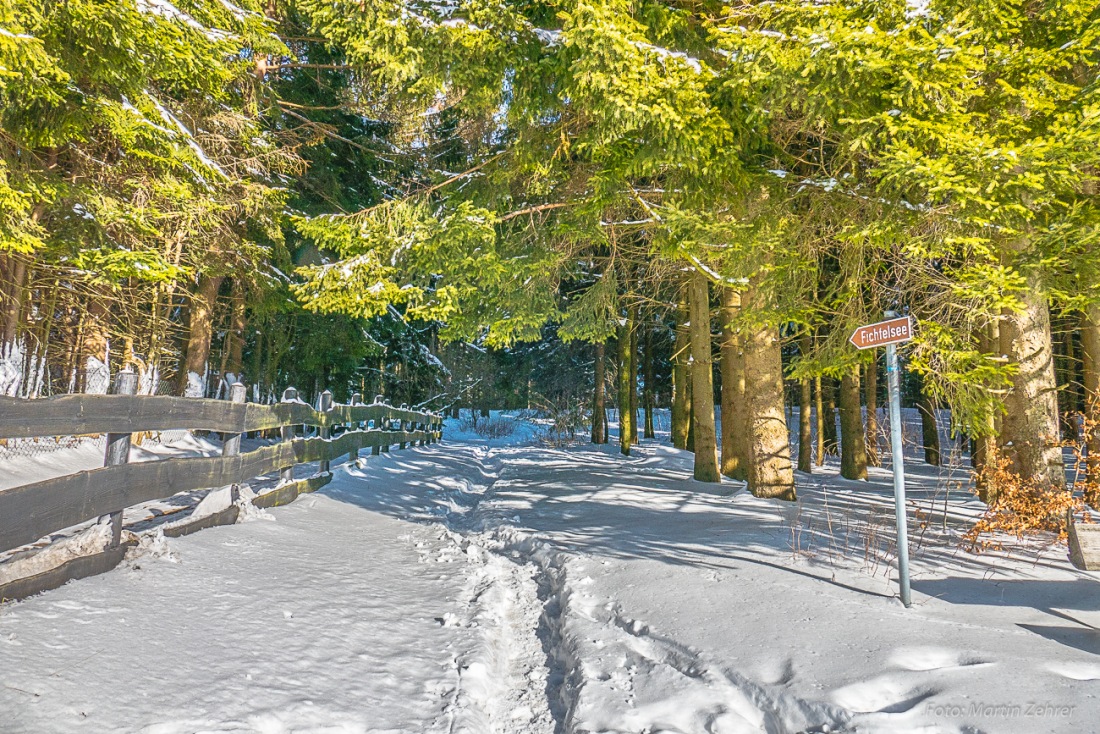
934	658
1075	670
887	694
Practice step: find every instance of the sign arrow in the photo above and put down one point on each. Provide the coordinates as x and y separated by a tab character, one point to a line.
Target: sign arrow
884	332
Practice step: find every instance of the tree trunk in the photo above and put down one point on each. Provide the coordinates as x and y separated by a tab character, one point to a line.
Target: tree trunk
681	381
13	307
95	346
874	457
634	375
770	470
735	426
702	388
805	417
192	381
805	431
599	398
1070	400
1090	358
819	405
626	385
648	398
832	446
853	451
257	366
235	337
930	434
1030	424
985	444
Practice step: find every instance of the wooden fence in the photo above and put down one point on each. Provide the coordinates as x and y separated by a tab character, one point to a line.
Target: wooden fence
30	512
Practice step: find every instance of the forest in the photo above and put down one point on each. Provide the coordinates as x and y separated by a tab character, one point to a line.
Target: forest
571	207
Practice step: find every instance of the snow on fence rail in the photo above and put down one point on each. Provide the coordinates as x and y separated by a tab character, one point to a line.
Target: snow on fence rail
31	512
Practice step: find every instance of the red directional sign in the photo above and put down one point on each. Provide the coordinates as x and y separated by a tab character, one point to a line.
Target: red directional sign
884	332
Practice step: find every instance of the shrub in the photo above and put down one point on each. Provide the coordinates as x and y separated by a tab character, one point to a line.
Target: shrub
1022	506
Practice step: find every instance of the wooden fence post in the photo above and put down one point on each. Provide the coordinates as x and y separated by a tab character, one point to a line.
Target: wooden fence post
404	426
387	424
231	442
378	425
353	425
286	474
325	405
118	449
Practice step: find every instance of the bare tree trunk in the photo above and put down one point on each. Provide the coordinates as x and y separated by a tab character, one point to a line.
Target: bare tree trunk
647	397
599	398
735	426
770	470
626	385
702	388
874	457
258	376
985	444
1030	425
634	375
200	332
930	433
805	430
819	404
832	445
1070	397
853	451
13	306
235	336
1090	358
95	348
681	381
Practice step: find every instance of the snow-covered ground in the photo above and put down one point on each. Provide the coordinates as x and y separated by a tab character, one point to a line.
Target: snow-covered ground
493	586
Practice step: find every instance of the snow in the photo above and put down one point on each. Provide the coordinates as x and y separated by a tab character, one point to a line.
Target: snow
166	9
97	375
548	37
196	385
11	368
188	137
693	63
92	540
916	9
21	36
507	585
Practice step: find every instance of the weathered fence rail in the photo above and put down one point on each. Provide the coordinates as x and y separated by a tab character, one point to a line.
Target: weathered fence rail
33	511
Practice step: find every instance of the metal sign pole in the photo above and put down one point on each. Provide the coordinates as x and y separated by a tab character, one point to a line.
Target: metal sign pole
893	381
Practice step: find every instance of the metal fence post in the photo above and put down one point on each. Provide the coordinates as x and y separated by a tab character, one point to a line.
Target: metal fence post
231	442
286	474
118	449
325	405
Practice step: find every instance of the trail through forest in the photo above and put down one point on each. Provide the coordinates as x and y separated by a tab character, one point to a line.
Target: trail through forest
486	587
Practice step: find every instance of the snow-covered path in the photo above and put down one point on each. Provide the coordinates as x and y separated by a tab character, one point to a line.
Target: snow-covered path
328	618
524	590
